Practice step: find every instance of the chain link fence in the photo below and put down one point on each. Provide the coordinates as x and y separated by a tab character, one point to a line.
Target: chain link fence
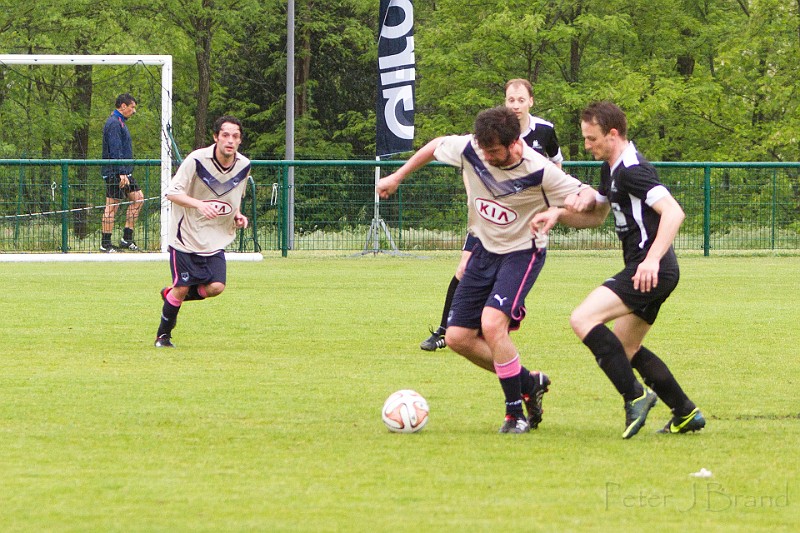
57	206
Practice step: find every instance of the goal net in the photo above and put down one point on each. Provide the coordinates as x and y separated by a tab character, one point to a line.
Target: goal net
52	111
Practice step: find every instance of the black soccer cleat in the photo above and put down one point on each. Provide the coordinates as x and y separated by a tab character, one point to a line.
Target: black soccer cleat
514	425
163	341
636	412
108	249
533	401
694	421
435	341
128	245
164	293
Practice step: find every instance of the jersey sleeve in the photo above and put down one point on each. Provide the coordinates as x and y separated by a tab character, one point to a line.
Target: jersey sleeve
642	182
180	182
552	147
557	185
450	149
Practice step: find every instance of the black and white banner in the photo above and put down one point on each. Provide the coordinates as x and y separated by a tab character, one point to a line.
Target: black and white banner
396	77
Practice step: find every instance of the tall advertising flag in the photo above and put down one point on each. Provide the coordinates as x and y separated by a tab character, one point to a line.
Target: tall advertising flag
396	77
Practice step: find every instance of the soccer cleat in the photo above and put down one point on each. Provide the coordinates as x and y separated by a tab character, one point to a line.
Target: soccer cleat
128	245
694	421
163	341
515	425
636	413
108	249
435	341
533	401
164	293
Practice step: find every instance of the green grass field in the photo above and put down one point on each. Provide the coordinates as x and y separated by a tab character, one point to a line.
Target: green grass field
267	415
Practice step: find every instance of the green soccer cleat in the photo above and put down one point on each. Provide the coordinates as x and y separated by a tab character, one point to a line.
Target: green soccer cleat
636	413
694	421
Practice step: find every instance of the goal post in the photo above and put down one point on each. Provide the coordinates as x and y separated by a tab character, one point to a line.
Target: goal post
165	62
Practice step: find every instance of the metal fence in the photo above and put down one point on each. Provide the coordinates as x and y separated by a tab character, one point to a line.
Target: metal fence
57	206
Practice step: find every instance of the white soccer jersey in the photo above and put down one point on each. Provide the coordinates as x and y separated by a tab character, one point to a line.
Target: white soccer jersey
201	177
502	202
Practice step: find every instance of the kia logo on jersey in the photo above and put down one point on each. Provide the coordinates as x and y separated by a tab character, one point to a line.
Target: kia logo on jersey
494	212
223	208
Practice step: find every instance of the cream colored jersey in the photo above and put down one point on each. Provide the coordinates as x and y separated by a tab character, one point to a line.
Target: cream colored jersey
201	177
502	202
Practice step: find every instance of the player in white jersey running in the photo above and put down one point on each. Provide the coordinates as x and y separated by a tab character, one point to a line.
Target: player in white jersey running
206	195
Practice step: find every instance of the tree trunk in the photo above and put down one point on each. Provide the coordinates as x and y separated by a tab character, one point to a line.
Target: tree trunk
203	57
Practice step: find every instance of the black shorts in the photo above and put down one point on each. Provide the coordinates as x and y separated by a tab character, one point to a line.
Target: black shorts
192	269
501	281
113	189
646	305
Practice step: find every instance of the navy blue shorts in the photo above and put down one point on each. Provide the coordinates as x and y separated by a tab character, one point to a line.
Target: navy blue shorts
113	189
646	305
192	269
470	242
495	280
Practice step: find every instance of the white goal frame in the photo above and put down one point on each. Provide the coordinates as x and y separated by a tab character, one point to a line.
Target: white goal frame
165	61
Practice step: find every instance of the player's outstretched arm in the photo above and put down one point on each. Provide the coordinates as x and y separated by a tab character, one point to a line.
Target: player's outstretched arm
543	222
388	186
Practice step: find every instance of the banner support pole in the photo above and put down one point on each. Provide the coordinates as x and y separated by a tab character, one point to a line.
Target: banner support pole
378	226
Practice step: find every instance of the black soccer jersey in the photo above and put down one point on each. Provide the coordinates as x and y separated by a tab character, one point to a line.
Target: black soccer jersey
541	136
632	187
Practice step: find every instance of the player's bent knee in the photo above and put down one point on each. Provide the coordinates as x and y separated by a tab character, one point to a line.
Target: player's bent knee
214	289
579	323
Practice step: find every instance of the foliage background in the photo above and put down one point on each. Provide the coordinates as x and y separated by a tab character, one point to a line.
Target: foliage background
710	80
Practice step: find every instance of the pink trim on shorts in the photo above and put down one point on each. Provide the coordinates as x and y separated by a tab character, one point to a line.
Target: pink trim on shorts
523	311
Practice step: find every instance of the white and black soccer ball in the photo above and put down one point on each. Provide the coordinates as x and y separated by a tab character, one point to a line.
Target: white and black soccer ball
405	411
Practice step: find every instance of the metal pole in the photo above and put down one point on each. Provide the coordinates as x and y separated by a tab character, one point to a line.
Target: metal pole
290	118
706	210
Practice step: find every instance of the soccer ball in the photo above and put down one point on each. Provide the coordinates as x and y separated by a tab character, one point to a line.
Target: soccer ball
405	411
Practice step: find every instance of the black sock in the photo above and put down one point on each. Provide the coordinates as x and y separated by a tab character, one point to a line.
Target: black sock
127	234
169	316
526	381
106	239
448	301
513	394
610	355
193	294
657	376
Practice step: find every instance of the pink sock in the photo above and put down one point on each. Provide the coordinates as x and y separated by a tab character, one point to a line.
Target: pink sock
172	300
509	369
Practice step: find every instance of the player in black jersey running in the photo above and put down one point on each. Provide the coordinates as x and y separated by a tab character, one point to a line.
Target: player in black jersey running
647	219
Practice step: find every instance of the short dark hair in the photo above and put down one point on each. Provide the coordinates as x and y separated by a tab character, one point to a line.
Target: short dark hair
226	118
497	125
521	81
608	116
124	98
